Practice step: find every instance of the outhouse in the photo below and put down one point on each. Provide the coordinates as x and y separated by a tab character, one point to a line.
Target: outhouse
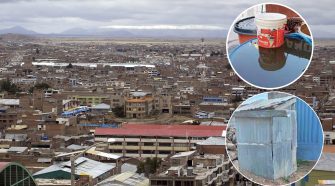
266	132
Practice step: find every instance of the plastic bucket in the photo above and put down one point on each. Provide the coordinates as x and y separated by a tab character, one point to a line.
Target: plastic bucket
246	29
270	29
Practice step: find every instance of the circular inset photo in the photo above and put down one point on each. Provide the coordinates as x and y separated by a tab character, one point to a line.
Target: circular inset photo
274	138
269	46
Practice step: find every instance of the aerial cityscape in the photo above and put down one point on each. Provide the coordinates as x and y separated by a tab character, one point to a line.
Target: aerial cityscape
138	106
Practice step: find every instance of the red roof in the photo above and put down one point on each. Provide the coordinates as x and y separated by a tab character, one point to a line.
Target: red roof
3	165
162	130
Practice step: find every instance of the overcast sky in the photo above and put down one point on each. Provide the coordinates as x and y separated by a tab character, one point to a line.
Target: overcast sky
54	16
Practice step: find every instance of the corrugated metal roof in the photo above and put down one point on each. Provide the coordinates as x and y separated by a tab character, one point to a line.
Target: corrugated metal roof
102	106
84	166
53	182
17	149
103	154
44	160
76	147
183	154
126	178
66	154
127	167
49	169
17	137
213	141
10	102
267	104
163	130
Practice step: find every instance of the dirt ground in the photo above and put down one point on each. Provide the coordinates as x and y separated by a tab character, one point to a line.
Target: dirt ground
302	169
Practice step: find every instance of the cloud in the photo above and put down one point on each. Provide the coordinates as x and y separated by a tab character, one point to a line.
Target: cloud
54	16
166	27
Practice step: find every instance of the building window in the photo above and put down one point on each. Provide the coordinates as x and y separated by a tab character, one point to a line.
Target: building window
165	144
148	151
132	143
181	145
116	151
164	152
148	144
132	151
117	143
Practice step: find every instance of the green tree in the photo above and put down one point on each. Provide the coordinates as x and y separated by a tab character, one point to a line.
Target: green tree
8	86
119	111
69	65
149	166
42	86
39	86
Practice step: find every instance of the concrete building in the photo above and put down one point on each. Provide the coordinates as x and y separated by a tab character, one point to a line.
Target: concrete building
7	118
69	104
12	103
89	99
155	140
183	108
328	125
125	179
191	169
163	103
138	105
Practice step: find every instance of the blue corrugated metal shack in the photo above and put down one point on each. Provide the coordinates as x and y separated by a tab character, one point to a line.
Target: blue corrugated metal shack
310	136
267	137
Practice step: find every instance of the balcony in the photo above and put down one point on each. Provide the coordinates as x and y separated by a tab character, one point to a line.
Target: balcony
164	140
100	139
132	147
164	148
148	148
181	148
115	146
132	139
181	140
148	140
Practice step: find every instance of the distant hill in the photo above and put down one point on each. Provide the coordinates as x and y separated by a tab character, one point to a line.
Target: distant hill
133	33
17	30
96	32
124	33
174	33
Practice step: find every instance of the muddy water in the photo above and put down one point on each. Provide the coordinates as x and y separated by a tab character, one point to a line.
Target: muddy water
271	68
